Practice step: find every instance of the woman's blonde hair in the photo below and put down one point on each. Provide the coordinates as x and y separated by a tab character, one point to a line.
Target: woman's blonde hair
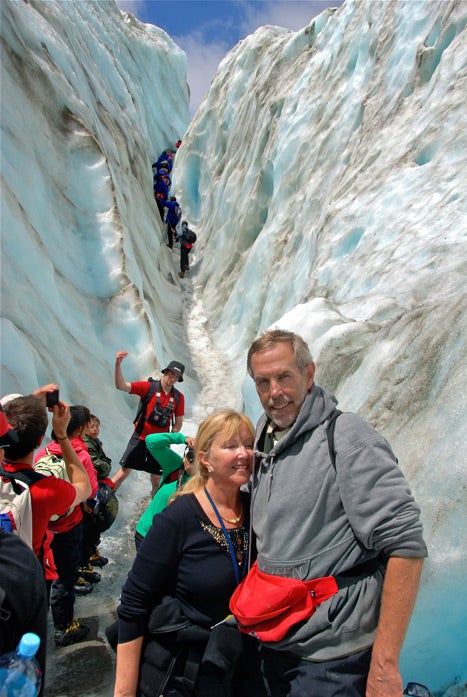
227	421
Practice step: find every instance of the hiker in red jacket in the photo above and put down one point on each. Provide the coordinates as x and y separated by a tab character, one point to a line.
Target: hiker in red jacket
163	407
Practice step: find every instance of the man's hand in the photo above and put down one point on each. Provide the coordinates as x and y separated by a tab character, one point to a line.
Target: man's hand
397	601
120	356
41	392
120	382
383	680
60	419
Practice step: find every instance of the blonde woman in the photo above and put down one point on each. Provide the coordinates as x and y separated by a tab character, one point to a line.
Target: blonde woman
187	567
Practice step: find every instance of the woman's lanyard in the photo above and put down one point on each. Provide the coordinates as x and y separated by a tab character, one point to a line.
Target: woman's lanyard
228	540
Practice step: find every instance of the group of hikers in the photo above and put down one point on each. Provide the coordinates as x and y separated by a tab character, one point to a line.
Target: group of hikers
65	498
186	237
277	561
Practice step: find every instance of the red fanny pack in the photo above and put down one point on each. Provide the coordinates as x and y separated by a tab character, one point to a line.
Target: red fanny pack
267	606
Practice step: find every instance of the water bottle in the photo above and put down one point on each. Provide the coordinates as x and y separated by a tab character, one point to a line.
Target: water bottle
20	674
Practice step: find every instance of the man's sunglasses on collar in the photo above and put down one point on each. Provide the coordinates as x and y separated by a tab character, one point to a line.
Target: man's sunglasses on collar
414	689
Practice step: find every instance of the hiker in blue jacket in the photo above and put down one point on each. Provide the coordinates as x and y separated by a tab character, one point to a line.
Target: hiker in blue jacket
172	219
161	192
162	172
166	158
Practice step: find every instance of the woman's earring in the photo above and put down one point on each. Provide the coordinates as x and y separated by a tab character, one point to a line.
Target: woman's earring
209	468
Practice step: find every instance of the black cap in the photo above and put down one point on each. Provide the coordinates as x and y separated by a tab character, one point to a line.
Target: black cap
176	367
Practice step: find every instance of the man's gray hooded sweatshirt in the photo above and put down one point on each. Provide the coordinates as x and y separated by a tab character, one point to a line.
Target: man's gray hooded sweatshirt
314	520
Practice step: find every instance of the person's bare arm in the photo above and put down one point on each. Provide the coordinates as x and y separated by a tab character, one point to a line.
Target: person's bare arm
178	424
75	469
128	660
398	599
120	382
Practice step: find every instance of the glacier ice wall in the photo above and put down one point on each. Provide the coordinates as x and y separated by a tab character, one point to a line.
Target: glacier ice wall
90	97
326	174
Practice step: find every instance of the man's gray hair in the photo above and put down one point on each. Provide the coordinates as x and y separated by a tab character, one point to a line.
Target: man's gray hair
275	336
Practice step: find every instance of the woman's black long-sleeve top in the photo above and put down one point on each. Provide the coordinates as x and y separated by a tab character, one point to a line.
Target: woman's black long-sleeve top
185	556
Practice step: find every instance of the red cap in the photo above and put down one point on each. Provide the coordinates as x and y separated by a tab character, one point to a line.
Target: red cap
8	434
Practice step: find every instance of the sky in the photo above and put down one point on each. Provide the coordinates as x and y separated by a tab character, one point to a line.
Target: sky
207	29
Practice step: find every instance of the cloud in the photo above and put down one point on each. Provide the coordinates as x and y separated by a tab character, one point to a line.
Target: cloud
136	7
291	14
203	59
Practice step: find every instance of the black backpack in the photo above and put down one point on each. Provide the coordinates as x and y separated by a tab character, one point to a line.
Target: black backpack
190	236
106	509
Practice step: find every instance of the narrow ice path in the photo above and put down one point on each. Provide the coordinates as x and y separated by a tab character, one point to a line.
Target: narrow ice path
218	388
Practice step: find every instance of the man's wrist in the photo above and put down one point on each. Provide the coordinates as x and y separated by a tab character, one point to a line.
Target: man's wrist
61	437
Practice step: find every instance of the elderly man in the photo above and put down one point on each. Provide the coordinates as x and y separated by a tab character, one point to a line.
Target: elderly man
162	407
316	515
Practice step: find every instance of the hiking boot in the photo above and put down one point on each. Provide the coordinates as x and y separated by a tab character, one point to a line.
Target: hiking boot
181	274
98	559
82	587
71	634
88	573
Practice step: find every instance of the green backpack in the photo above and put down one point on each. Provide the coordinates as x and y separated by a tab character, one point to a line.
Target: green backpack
55	466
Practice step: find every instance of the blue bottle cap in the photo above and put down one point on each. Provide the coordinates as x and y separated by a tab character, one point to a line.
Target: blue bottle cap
28	645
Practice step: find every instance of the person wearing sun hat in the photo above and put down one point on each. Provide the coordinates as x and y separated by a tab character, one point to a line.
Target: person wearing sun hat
177	368
161	410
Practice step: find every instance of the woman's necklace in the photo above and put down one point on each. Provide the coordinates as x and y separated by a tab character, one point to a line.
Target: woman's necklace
233	521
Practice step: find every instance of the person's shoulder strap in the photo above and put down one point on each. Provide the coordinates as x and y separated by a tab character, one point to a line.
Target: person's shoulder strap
262	437
143	402
330	428
173	403
155	385
53	455
176	395
26	476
